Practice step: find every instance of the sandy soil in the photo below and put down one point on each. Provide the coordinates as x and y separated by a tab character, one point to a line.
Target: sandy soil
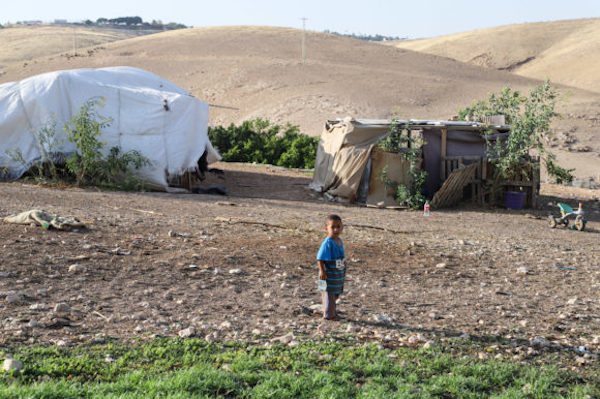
242	267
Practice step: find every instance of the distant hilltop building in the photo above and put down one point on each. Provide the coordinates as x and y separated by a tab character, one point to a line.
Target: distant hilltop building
33	22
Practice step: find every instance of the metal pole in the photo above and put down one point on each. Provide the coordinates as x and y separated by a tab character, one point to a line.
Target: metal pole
303	39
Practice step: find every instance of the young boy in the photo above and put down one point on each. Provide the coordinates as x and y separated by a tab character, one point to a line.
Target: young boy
332	266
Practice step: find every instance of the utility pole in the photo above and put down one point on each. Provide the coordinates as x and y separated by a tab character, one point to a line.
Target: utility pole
74	47
303	39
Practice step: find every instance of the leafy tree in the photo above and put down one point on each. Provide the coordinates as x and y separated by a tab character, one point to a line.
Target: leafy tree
529	118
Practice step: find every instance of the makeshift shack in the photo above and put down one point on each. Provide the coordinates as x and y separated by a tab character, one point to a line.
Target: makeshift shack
349	165
148	114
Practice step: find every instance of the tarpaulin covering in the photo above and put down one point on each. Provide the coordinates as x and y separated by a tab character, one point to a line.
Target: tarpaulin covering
148	114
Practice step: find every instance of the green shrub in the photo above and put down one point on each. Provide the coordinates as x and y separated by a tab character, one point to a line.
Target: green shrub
88	165
408	149
261	141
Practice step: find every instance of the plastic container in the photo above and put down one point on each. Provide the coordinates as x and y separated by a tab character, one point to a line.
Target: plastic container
514	199
426	208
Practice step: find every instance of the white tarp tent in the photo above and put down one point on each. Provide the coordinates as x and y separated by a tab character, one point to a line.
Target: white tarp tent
149	114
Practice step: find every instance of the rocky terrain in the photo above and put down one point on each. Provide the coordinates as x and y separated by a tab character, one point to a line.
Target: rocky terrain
241	267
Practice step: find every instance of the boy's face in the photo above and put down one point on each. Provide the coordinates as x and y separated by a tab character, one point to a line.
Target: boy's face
334	228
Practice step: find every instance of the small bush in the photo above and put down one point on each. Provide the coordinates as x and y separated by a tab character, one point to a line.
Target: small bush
261	141
409	149
87	165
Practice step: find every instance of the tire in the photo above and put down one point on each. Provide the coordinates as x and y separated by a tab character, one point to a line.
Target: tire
579	223
565	222
551	221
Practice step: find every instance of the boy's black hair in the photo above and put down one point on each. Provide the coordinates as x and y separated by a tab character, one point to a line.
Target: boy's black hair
334	218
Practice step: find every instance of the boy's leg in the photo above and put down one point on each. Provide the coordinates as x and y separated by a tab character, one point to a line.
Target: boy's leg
329	311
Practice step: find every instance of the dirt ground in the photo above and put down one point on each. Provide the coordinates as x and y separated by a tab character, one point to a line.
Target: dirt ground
242	266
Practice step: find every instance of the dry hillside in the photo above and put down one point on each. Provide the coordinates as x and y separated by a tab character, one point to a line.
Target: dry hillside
24	43
246	72
566	52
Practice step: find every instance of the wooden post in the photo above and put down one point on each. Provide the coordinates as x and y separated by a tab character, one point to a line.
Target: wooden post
443	153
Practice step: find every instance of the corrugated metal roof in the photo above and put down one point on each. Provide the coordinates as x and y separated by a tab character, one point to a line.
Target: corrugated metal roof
424	123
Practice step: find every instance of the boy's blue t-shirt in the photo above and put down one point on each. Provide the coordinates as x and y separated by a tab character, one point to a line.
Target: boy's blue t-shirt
334	258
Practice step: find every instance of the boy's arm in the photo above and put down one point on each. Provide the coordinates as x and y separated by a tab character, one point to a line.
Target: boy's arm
322	273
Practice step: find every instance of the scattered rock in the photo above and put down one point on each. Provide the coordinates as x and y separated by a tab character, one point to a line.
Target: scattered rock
382	318
226	325
540	342
173	233
12	364
77	268
235	271
187	332
212	337
441	265
38	306
522	270
303	309
428	344
15	298
435	316
62	307
284	339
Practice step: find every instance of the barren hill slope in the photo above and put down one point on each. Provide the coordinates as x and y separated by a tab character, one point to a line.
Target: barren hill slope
566	52
247	72
24	43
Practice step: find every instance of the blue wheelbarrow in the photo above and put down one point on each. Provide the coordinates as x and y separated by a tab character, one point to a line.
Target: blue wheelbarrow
567	212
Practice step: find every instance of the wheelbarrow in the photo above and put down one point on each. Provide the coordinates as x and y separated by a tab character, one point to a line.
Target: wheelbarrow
567	212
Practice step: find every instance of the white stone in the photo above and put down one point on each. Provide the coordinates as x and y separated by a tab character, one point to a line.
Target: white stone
382	318
38	306
440	265
235	271
187	332
572	301
522	270
428	344
76	268
284	339
226	325
62	307
12	364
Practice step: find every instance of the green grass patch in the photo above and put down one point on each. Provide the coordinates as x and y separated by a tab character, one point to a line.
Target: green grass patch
177	368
